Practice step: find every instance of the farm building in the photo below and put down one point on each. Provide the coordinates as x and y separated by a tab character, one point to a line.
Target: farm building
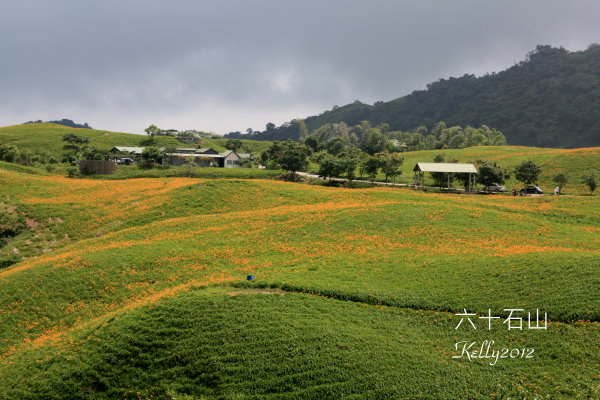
204	157
208	158
447	168
192	150
137	151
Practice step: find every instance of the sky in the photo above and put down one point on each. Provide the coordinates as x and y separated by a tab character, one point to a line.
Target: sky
229	65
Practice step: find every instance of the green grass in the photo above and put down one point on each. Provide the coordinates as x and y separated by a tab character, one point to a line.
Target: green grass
572	162
48	138
216	343
373	278
133	171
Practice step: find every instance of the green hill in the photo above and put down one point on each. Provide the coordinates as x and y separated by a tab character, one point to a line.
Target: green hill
139	291
39	137
552	99
48	137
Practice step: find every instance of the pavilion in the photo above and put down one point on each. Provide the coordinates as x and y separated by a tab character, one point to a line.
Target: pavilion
449	168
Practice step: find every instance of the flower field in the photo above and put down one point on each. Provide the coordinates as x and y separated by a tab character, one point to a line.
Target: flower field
137	289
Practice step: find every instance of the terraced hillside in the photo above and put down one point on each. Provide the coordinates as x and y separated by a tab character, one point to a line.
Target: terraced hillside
140	291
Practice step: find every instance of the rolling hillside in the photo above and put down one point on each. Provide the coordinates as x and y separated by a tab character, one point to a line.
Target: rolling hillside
48	137
355	291
572	162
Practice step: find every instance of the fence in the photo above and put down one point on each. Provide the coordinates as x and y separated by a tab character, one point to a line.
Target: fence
89	167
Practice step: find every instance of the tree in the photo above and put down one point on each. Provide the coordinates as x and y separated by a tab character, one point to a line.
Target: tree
92	153
329	167
591	181
150	155
234	144
371	167
74	142
490	173
527	172
561	180
188	167
300	127
313	142
72	171
348	162
337	145
390	164
289	155
9	152
438	129
152	130
75	146
373	141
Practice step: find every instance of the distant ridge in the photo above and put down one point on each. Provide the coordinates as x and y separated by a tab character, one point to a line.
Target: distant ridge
64	121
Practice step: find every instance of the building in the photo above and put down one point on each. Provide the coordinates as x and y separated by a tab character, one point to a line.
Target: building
136	151
447	168
206	157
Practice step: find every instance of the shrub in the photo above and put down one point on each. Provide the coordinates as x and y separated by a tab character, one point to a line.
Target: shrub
9	260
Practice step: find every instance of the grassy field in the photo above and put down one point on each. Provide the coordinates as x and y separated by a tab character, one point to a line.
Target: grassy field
136	289
133	171
572	162
248	146
48	137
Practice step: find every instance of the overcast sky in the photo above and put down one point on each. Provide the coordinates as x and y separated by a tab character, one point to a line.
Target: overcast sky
228	65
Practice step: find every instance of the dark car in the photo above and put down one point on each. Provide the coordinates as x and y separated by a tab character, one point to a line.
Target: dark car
127	161
531	190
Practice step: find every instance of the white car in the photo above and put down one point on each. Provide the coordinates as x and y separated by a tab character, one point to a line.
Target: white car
494	187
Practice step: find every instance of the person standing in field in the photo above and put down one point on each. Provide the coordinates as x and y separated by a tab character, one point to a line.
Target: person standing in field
556	191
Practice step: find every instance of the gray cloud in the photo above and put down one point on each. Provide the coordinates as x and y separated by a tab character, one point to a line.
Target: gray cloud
232	64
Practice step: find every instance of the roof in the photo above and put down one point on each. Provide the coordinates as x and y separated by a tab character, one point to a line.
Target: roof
229	152
445	167
195	155
245	155
127	149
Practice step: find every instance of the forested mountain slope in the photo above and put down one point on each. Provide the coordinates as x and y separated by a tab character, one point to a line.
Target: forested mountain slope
551	99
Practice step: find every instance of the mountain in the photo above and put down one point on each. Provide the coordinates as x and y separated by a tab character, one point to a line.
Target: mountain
551	99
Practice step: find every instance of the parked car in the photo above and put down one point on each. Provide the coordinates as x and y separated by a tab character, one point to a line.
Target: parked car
127	161
494	187
531	190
